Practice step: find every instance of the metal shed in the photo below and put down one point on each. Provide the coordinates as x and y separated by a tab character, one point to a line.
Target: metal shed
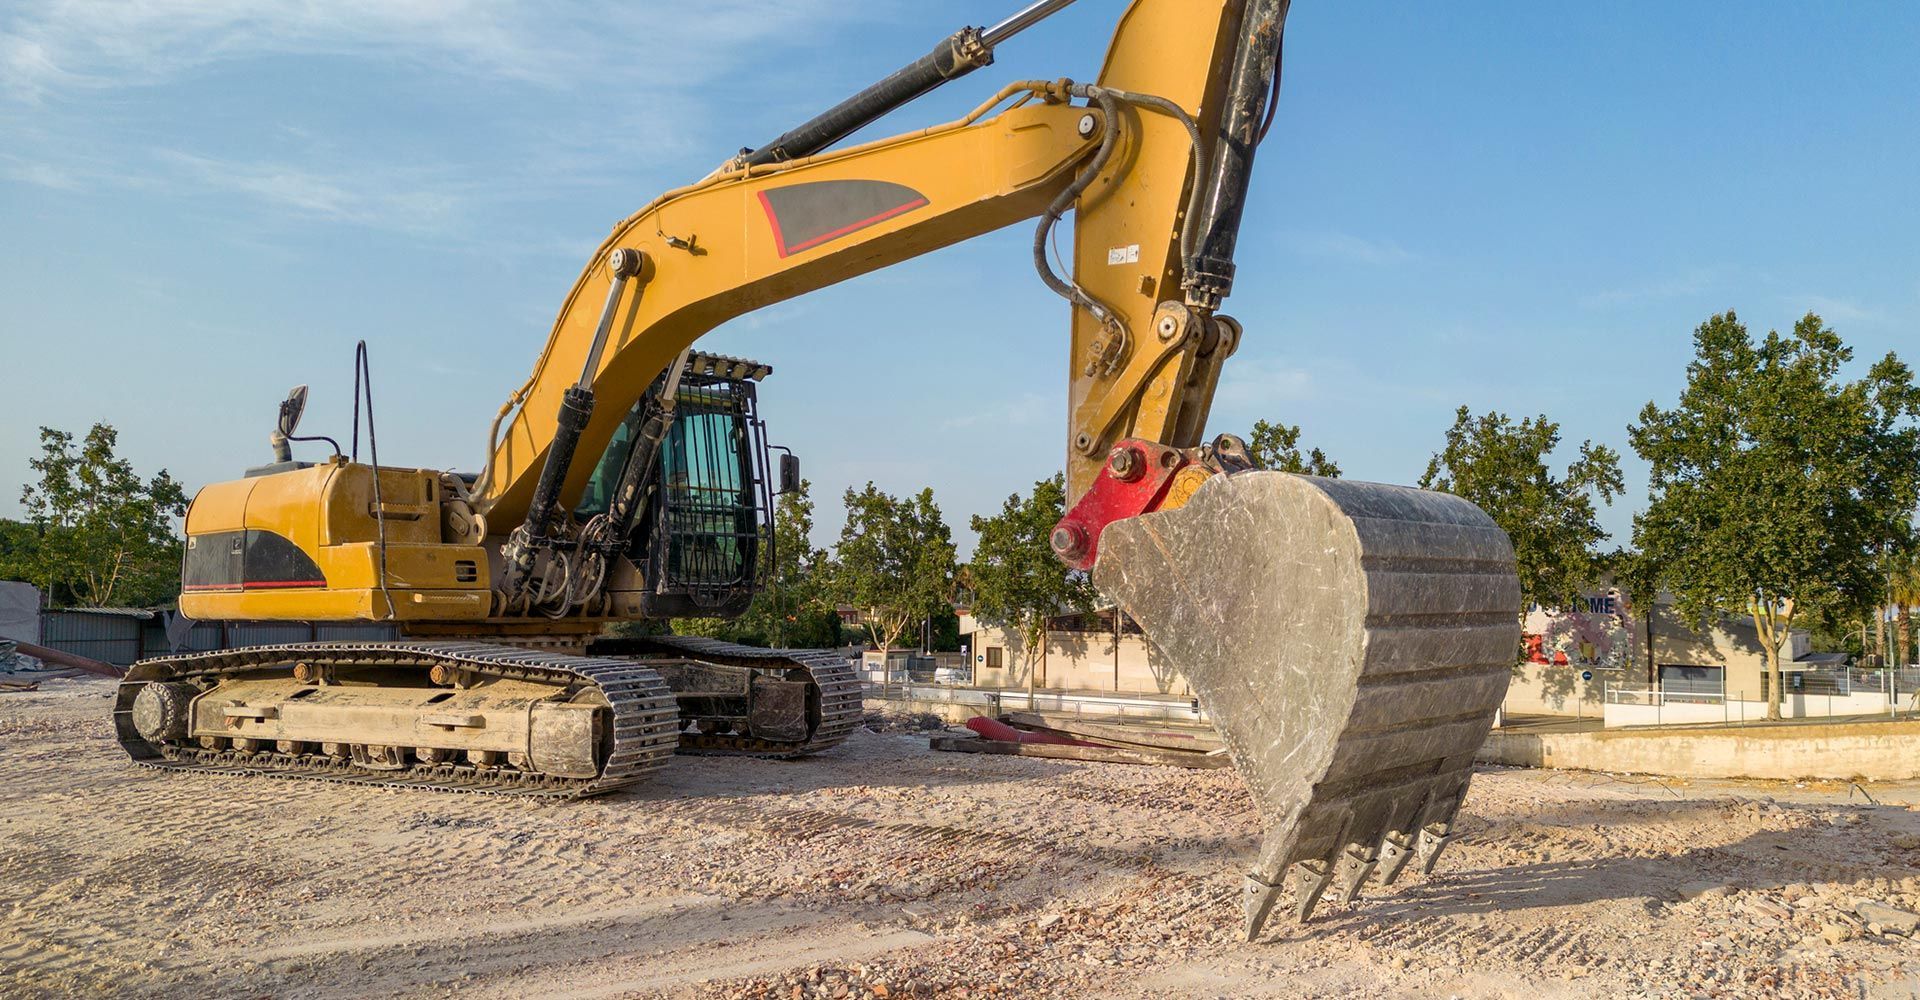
123	636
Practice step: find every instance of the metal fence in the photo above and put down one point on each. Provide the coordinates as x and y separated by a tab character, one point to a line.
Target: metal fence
1825	692
995	701
1687	693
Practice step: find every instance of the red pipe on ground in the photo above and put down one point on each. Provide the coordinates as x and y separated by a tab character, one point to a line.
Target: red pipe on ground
994	729
66	659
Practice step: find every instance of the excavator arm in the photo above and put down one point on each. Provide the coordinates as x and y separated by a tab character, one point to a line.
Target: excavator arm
1133	159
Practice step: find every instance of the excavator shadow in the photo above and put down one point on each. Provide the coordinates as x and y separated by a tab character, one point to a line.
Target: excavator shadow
863	762
1600	854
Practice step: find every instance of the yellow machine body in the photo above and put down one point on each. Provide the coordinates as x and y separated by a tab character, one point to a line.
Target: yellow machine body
306	545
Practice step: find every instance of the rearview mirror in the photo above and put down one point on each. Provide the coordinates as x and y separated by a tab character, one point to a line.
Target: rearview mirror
290	410
789	473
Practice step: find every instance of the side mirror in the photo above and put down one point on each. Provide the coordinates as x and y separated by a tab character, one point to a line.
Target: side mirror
789	473
290	410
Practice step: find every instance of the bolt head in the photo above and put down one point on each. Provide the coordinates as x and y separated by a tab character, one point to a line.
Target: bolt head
1125	463
1069	540
1168	327
1087	124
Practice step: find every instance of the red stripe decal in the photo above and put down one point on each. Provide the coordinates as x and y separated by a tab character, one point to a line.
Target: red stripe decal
256	585
773	219
844	230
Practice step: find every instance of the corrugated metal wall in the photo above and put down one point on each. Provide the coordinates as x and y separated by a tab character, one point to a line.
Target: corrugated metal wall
206	636
122	639
112	638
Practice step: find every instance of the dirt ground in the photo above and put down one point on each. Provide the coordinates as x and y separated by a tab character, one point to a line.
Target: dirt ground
885	870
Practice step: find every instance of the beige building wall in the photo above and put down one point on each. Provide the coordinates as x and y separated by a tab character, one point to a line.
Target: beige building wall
1729	645
1074	661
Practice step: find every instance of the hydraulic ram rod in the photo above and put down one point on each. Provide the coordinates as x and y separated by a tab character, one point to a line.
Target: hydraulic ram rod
957	55
1249	89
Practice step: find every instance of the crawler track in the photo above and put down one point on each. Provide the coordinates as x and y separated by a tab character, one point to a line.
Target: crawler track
839	688
645	716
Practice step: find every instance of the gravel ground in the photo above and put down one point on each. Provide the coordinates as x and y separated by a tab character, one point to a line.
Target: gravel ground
885	870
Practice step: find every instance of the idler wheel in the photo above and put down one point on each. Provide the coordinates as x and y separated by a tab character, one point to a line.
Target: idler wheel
160	711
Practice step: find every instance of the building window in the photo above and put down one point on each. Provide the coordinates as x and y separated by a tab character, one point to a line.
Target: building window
994	654
1679	680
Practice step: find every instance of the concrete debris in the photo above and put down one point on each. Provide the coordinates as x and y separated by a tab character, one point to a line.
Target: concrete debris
12	660
1890	919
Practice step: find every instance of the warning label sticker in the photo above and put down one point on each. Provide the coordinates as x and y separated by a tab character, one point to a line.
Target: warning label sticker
1123	255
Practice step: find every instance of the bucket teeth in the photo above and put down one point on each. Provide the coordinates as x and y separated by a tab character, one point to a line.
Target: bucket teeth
1433	839
1260	897
1350	642
1355	865
1311	879
1395	851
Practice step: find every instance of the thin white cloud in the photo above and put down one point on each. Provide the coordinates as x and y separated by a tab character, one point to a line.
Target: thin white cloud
365	198
642	75
1346	247
1835	310
64	45
49	46
1657	290
46	175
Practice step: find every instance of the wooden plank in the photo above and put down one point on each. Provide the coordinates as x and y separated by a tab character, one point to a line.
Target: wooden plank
19	685
1116	734
1104	755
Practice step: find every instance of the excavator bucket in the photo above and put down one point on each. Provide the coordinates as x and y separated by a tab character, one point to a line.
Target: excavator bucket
1350	642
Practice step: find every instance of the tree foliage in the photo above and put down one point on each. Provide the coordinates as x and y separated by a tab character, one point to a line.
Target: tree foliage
1775	481
794	610
1016	579
1277	447
1903	592
894	561
1502	467
99	534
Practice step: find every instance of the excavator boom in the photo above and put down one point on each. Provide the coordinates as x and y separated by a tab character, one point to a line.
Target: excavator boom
1350	640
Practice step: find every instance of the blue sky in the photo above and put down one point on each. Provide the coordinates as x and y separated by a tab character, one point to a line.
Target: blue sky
1516	206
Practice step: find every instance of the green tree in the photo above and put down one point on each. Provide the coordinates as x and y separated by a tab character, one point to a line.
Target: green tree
1502	467
1775	481
102	535
796	610
793	610
1016	579
1903	592
1277	447
19	544
894	561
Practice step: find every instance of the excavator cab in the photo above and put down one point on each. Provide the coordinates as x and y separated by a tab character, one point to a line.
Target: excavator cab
697	541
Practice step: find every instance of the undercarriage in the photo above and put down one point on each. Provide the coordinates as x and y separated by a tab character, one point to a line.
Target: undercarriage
460	715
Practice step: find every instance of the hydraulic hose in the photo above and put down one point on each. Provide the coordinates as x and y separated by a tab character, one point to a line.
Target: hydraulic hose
1197	170
1109	100
1065	288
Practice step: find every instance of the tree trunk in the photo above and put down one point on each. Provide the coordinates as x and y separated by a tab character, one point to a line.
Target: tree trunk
1903	632
1773	683
1764	628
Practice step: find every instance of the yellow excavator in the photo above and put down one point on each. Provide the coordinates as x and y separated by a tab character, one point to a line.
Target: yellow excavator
1350	641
